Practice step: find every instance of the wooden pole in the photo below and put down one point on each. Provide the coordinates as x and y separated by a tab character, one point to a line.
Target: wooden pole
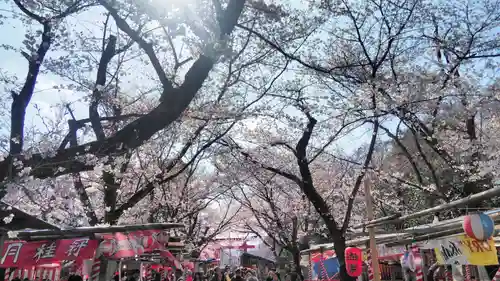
425	268
120	270
3	237
371	231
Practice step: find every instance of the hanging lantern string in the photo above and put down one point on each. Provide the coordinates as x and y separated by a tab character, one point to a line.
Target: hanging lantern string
497	275
467	273
419	274
448	274
369	263
96	269
323	268
310	267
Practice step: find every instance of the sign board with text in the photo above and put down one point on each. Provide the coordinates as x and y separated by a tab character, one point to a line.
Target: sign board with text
20	253
464	250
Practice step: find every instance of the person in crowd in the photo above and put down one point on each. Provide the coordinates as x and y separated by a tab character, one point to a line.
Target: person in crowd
210	274
237	275
433	271
273	276
206	276
249	274
227	272
197	277
228	275
134	276
269	276
75	278
294	276
156	276
218	275
189	276
252	278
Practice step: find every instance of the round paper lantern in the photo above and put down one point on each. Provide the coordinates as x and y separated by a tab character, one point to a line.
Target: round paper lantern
354	261
479	226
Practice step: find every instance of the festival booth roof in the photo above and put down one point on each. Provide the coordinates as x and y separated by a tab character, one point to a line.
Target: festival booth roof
173	244
20	220
438	229
36	247
441	230
358	242
385	253
412	234
65	233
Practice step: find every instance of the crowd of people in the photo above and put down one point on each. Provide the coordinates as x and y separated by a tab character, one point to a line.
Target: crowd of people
240	274
27	279
71	278
215	274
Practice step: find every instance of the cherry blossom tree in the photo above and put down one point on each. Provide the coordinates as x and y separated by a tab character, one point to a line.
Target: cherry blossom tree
109	183
194	198
299	166
441	148
458	62
273	212
117	144
292	102
381	79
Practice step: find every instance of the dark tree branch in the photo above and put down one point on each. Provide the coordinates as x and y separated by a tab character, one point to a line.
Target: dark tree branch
366	164
307	184
77	180
147	47
161	178
133	135
100	83
405	151
292	56
286	145
20	101
75	7
81	123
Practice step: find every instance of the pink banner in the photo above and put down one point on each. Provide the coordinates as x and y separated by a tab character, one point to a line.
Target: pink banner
20	253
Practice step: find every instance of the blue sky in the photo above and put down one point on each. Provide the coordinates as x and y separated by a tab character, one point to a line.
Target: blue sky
13	33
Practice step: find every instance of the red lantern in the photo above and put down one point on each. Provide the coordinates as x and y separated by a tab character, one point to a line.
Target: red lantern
156	267
354	261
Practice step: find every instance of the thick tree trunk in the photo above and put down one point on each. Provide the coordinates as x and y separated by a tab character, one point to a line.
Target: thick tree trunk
339	246
298	276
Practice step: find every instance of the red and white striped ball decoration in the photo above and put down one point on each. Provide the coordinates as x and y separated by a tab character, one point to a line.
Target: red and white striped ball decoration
479	226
